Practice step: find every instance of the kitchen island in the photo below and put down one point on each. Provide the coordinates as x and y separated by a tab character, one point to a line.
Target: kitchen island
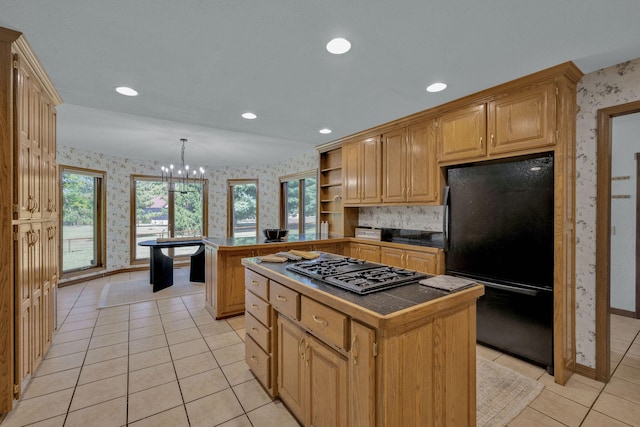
400	356
224	273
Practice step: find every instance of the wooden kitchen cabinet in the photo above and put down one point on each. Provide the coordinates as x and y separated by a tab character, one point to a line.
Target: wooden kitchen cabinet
410	172
342	221
462	133
522	120
313	378
365	251
362	376
362	171
431	262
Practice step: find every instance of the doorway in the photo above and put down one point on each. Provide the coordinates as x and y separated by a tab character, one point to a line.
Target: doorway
603	233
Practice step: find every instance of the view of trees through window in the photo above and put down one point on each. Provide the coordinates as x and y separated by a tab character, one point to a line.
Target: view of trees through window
242	208
82	225
160	213
299	200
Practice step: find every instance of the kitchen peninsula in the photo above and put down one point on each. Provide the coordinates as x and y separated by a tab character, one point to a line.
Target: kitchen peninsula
400	356
224	273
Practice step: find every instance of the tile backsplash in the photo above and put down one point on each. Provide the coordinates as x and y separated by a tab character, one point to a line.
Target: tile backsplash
424	218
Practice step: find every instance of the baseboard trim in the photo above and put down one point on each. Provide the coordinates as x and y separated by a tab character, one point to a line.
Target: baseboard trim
99	275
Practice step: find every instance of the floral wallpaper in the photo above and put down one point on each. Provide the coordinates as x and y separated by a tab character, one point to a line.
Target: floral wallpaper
615	85
118	171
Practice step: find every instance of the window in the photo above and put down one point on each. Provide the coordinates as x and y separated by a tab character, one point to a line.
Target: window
299	202
157	212
83	230
242	208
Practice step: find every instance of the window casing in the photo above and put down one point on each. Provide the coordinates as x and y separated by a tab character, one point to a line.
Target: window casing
157	212
82	220
299	199
242	208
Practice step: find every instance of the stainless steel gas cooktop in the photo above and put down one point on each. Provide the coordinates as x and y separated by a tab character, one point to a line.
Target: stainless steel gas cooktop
356	275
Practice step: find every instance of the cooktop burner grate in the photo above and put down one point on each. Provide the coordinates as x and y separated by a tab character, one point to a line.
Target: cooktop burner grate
356	275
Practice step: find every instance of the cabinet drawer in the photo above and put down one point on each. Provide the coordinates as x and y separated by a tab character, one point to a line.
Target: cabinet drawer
259	362
260	309
260	333
257	284
326	323
285	301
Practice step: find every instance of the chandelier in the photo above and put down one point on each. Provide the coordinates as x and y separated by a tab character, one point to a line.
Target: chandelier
183	179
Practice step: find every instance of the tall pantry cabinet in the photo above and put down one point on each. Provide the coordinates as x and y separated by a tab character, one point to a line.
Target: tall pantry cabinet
29	237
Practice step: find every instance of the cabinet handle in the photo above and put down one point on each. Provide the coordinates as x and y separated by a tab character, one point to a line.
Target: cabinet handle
306	356
254	306
254	359
253	282
493	141
254	330
320	320
355	349
481	142
281	298
301	345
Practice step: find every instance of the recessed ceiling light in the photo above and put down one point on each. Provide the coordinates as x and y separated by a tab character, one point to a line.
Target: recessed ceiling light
339	46
249	116
325	131
436	87
127	91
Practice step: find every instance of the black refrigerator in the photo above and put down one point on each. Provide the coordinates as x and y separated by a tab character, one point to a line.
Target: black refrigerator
498	228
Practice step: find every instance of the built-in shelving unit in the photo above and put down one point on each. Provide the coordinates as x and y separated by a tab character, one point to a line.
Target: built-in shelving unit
342	222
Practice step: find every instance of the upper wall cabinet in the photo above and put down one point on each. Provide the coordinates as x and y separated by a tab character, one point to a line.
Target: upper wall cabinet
515	122
410	172
462	133
522	120
361	166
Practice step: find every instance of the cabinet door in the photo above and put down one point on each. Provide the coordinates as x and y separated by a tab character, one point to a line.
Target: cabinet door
422	172
392	256
229	298
462	133
394	163
23	297
522	120
362	376
351	172
369	252
327	387
371	177
423	262
291	366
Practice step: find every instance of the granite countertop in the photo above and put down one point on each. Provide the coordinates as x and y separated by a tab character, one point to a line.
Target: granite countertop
382	303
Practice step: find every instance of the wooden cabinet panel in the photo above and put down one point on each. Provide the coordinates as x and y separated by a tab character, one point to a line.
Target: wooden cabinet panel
361	179
326	323
522	120
259	361
258	308
257	284
291	380
230	298
362	376
462	133
260	333
351	172
365	252
424	262
326	386
422	172
394	167
392	256
285	301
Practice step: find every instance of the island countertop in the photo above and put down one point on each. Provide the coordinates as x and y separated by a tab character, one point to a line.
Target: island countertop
236	242
381	307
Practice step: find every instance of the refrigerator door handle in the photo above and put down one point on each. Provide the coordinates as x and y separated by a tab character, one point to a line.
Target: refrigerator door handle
524	291
445	219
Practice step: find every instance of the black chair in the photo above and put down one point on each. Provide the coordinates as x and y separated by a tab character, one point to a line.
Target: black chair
197	266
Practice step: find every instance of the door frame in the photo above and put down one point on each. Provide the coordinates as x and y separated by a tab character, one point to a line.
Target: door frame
603	228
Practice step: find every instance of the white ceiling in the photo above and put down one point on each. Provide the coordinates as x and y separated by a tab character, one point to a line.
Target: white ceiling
199	64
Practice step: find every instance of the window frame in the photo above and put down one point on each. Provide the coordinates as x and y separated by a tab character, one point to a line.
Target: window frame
100	229
171	213
230	184
282	211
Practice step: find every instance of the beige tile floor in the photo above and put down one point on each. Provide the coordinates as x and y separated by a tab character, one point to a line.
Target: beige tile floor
169	363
